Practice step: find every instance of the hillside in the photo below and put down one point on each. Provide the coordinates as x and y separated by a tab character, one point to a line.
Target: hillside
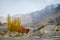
42	17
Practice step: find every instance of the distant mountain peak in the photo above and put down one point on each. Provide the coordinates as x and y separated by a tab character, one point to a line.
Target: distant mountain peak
58	7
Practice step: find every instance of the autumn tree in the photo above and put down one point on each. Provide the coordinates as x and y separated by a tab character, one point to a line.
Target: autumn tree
9	22
13	24
18	23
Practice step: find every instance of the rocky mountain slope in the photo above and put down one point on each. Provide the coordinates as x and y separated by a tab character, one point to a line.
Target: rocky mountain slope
49	15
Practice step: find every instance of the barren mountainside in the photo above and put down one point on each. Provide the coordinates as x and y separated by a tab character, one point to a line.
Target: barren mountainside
45	16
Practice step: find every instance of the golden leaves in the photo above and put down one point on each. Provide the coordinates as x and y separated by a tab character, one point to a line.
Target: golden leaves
13	23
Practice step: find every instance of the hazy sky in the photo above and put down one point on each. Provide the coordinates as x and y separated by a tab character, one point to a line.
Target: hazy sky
14	7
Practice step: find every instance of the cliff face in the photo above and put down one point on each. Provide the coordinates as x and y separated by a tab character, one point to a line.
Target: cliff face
49	15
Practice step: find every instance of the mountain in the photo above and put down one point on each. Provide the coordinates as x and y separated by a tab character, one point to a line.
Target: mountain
48	13
42	17
2	19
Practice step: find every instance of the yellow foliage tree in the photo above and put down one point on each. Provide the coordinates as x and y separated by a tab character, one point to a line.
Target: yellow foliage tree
19	23
9	22
13	23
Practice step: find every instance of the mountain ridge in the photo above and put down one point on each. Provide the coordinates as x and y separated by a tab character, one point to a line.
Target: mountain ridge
42	17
